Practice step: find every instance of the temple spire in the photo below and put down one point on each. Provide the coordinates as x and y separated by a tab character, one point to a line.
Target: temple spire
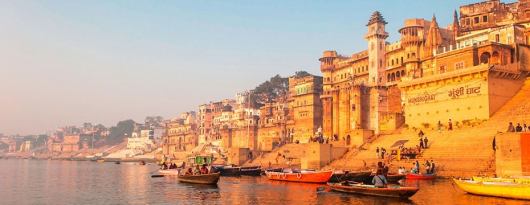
456	25
434	38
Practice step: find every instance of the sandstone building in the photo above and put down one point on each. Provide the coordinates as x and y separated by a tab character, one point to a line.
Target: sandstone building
463	72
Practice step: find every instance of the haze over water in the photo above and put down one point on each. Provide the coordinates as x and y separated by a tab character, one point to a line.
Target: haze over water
80	182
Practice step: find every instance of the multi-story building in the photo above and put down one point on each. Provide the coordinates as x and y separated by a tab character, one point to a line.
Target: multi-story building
462	72
70	143
272	129
305	107
208	119
181	134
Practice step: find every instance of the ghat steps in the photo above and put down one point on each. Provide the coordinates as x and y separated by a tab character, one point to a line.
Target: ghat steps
464	151
293	152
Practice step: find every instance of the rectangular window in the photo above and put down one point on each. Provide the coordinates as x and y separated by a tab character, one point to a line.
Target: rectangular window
442	69
467	21
477	20
485	19
459	65
497	38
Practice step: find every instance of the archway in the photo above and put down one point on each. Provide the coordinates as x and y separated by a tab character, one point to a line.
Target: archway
485	58
495	58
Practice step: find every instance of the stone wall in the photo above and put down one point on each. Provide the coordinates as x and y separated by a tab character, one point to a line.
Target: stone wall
512	157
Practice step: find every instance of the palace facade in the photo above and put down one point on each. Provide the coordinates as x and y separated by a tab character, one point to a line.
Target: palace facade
462	72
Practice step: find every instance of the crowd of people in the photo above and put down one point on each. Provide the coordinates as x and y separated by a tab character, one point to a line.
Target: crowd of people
429	167
518	128
198	170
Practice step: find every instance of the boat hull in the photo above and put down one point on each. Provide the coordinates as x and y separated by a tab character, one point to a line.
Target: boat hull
351	176
229	171
495	189
309	177
251	171
200	179
421	176
521	180
370	190
169	172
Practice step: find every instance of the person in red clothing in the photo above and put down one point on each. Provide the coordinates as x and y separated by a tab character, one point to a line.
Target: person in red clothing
204	170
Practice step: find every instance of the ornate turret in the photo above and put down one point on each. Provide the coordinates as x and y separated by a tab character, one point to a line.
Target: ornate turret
434	38
376	18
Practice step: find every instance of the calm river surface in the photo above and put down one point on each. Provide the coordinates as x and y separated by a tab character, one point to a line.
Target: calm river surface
70	182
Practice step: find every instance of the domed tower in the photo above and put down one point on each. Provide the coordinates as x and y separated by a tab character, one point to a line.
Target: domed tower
376	38
412	38
327	65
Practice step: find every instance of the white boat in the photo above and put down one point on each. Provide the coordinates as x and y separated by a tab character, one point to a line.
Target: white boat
169	172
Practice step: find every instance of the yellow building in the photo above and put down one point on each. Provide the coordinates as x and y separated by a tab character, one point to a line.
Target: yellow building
305	107
463	72
181	134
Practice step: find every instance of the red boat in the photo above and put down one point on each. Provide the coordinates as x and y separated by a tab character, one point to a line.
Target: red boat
421	176
303	176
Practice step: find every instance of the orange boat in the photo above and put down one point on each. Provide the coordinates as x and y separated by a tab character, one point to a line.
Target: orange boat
303	176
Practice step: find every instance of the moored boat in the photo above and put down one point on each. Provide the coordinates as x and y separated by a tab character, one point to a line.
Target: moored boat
360	176
251	171
421	176
520	180
228	170
371	190
200	179
302	176
394	178
496	189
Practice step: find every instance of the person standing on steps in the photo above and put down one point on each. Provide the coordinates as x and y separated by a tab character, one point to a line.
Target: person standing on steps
439	126
425	142
518	128
420	134
377	152
510	128
432	167
421	143
450	125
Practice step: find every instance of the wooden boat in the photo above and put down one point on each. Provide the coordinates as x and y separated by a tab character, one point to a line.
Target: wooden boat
251	171
303	176
169	172
394	178
496	189
271	170
520	180
371	190
228	170
200	179
421	176
361	176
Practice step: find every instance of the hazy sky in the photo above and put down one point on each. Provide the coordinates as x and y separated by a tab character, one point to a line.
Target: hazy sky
69	62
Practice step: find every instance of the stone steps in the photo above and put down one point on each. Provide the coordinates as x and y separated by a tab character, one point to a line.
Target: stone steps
465	151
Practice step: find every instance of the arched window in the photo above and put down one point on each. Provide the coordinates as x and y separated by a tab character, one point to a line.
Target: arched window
485	58
495	58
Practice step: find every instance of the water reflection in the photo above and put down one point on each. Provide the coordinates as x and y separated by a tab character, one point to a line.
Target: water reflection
67	182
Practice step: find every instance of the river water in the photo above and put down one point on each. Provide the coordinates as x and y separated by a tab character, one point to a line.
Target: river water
71	182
